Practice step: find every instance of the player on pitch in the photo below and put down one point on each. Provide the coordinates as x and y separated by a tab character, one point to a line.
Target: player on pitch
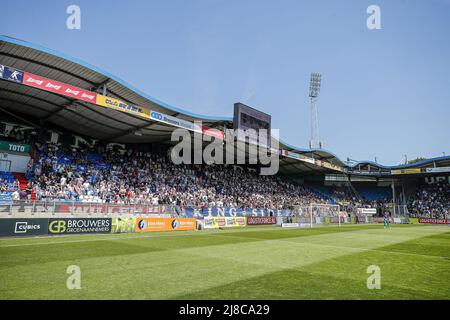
387	224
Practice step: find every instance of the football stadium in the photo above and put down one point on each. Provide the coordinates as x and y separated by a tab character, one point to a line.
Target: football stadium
110	194
92	206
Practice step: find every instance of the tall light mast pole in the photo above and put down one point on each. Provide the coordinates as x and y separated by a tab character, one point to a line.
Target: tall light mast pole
314	89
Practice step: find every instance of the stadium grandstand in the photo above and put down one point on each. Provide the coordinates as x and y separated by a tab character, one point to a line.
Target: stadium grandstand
71	133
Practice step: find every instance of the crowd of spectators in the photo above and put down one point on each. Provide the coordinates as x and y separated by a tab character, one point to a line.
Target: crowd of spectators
431	201
121	176
136	177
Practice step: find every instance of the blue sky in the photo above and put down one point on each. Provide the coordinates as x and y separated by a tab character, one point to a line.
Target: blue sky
385	93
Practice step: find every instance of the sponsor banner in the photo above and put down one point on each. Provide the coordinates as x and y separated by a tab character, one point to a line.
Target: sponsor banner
84	208
367	211
11	74
290	225
304	225
165	224
434	221
306	159
293	155
14	147
174	121
297	156
439	169
120	105
79	225
328	165
413	220
406	171
401	220
261	220
235	221
23	227
213	132
123	225
234	212
223	222
67	90
369	172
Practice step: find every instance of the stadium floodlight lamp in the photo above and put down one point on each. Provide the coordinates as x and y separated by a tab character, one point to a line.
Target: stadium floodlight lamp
314	84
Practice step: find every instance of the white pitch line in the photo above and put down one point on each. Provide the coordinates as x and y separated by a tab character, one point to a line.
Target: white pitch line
344	247
367	249
130	236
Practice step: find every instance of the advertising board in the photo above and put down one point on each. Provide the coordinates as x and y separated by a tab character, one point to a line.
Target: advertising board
14	147
437	169
234	212
11	74
120	105
123	225
165	224
434	221
79	225
406	171
290	225
23	227
223	222
261	220
64	89
367	211
174	121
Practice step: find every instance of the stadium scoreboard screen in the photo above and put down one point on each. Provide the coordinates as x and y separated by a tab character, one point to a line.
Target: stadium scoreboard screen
246	117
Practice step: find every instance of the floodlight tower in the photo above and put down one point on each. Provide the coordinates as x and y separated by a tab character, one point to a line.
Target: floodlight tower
314	89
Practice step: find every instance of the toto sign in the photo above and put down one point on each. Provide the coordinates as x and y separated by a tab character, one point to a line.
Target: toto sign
261	220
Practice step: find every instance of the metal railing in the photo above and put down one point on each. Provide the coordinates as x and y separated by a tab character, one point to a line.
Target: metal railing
48	209
73	209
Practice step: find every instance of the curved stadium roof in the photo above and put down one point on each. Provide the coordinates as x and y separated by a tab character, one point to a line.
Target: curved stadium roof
40	107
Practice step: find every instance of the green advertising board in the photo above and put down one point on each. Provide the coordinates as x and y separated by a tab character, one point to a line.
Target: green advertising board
14	147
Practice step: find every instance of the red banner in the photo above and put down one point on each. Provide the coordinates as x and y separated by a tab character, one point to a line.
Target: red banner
212	132
42	83
261	220
434	221
81	208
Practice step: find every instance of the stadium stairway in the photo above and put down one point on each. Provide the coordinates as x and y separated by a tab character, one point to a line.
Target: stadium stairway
23	182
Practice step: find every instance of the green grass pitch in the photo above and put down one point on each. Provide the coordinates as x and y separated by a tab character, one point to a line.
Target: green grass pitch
249	263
